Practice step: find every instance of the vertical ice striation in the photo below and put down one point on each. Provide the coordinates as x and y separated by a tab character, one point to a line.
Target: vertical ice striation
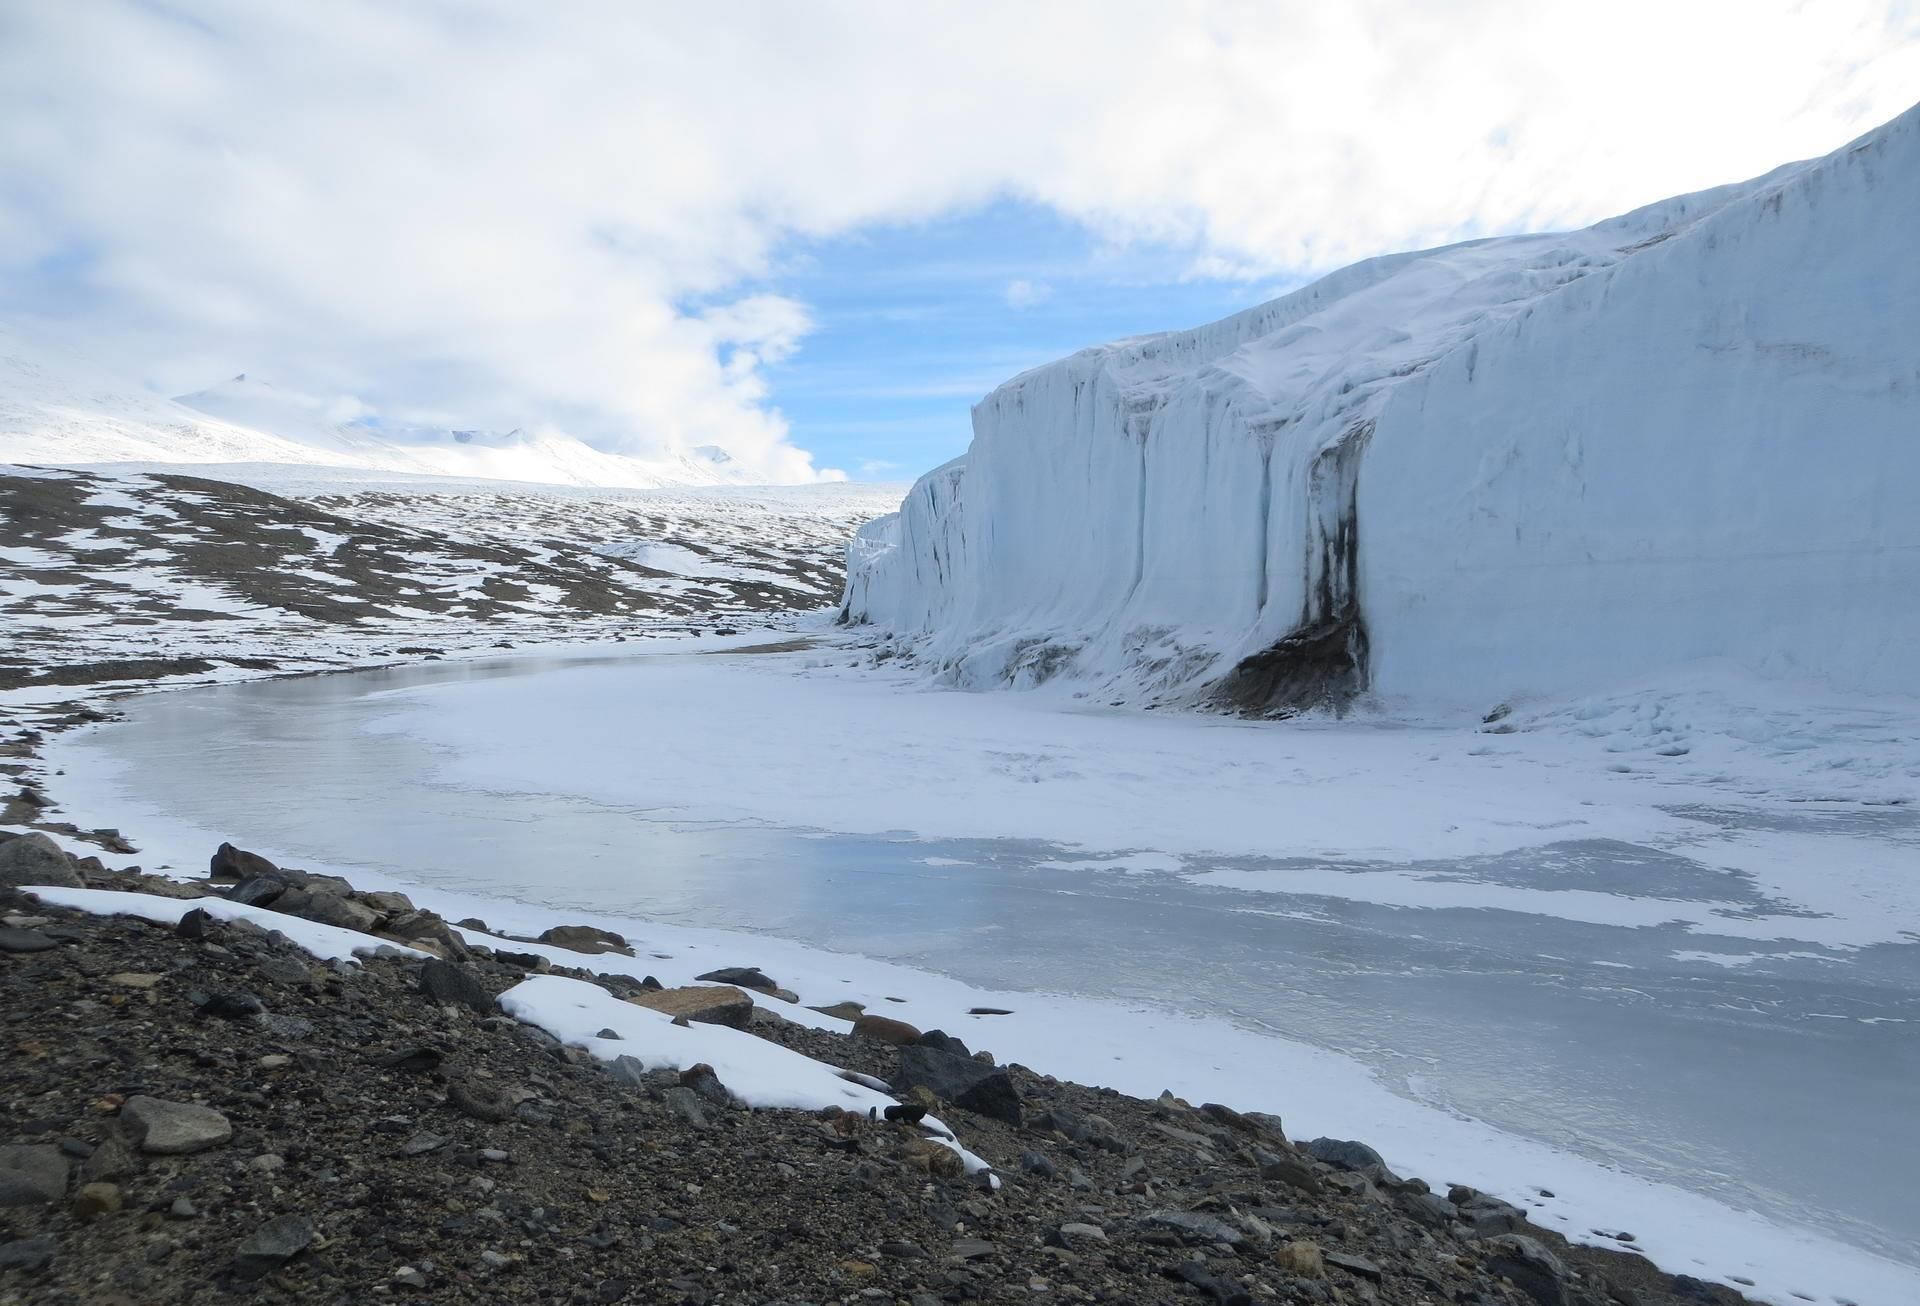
1526	464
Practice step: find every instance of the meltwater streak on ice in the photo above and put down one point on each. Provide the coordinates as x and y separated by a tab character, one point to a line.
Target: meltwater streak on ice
1721	1079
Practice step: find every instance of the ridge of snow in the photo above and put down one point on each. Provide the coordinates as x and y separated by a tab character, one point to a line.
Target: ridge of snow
1521	465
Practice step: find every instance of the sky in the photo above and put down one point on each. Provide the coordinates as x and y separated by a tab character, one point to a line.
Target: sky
815	233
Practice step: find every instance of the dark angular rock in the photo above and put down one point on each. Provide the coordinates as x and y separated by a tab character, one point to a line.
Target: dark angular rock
1221	1290
272	1245
1357	1265
12	940
1038	1163
1534	1270
945	1042
1193	1227
194	924
231	1005
450	983
1291	1172
959	1080
258	891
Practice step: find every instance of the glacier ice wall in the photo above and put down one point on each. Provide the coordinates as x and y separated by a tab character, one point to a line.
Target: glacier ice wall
1517	465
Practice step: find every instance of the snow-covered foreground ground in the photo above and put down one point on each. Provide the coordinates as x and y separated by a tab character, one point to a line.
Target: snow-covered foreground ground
1495	956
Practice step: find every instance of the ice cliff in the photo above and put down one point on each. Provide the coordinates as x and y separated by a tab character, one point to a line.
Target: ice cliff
1529	464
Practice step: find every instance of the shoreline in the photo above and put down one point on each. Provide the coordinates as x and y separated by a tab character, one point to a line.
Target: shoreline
1158	1175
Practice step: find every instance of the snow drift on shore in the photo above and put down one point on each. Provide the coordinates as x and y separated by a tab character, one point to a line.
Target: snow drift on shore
1530	464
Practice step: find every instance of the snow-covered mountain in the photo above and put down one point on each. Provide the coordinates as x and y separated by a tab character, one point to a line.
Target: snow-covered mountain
1530	464
60	409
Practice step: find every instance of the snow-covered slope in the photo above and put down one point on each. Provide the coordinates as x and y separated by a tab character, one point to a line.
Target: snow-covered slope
58	408
1525	464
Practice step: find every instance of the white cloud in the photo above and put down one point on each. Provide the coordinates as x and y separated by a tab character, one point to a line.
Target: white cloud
502	211
1022	293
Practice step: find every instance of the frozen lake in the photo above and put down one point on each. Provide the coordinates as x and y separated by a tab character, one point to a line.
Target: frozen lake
1775	1075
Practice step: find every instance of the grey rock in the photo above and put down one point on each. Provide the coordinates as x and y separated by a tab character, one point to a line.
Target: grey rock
12	940
163	1128
1292	1172
1193	1227
113	1159
962	1081
258	891
1488	1216
331	909
972	1249
1428	1209
422	1143
272	1245
1534	1270
1358	1265
1079	1232
35	859
29	1254
686	1104
452	984
34	1175
630	1071
1344	1153
1038	1163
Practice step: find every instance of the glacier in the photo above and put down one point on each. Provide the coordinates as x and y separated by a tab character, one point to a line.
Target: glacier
1524	465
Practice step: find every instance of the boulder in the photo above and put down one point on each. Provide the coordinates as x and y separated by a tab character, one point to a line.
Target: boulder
162	1128
13	940
712	1004
34	1175
1534	1270
34	859
964	1082
886	1030
945	1042
230	863
1291	1172
387	902
1193	1227
452	984
258	891
585	938
332	909
428	930
1342	1153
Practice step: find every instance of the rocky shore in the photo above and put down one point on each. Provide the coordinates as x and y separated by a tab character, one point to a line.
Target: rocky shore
204	1110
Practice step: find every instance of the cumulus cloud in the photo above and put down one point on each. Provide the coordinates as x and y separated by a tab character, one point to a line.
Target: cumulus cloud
553	213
